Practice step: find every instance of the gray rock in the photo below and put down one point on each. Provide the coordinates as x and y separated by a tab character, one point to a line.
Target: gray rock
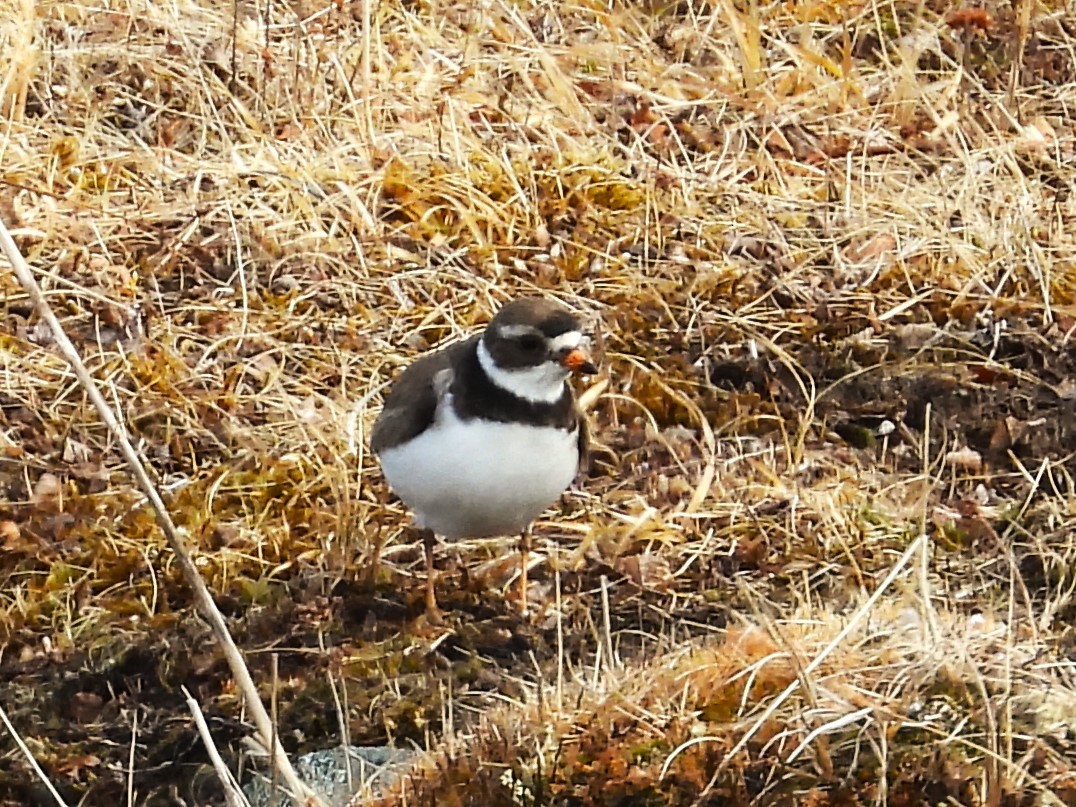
372	769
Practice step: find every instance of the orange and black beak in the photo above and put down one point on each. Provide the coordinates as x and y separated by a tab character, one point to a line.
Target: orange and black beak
576	360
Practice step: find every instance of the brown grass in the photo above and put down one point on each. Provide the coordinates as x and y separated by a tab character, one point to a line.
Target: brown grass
828	252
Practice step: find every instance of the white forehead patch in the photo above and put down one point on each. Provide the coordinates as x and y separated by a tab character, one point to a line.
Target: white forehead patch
567	340
516	331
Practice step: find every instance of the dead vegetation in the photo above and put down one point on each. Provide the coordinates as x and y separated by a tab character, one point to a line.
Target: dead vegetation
828	251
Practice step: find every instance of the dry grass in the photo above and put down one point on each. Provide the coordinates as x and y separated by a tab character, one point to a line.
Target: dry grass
884	719
828	251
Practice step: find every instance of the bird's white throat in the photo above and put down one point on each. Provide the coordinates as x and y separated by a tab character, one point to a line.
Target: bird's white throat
543	383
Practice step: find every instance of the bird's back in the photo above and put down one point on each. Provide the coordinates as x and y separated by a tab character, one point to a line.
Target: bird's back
411	402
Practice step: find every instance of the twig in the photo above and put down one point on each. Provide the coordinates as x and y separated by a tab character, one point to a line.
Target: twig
30	758
131	759
232	794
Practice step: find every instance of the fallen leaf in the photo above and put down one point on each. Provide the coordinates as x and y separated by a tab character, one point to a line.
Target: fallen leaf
9	533
75	766
86	706
964	459
1038	135
75	451
969	18
878	245
289	131
46	490
914	335
646	570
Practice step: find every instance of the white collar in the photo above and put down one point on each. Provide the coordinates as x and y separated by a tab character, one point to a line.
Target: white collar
541	384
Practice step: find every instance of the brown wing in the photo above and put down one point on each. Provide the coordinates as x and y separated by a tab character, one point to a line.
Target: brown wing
411	403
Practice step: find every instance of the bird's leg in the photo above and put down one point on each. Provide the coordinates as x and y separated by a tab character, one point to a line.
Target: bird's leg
524	553
429	541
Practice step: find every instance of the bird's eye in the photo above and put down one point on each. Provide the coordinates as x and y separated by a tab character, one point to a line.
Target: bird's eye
531	343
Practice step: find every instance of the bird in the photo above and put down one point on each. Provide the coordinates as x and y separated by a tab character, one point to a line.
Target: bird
479	437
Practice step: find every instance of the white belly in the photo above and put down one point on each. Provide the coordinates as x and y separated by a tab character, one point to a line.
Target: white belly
471	479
